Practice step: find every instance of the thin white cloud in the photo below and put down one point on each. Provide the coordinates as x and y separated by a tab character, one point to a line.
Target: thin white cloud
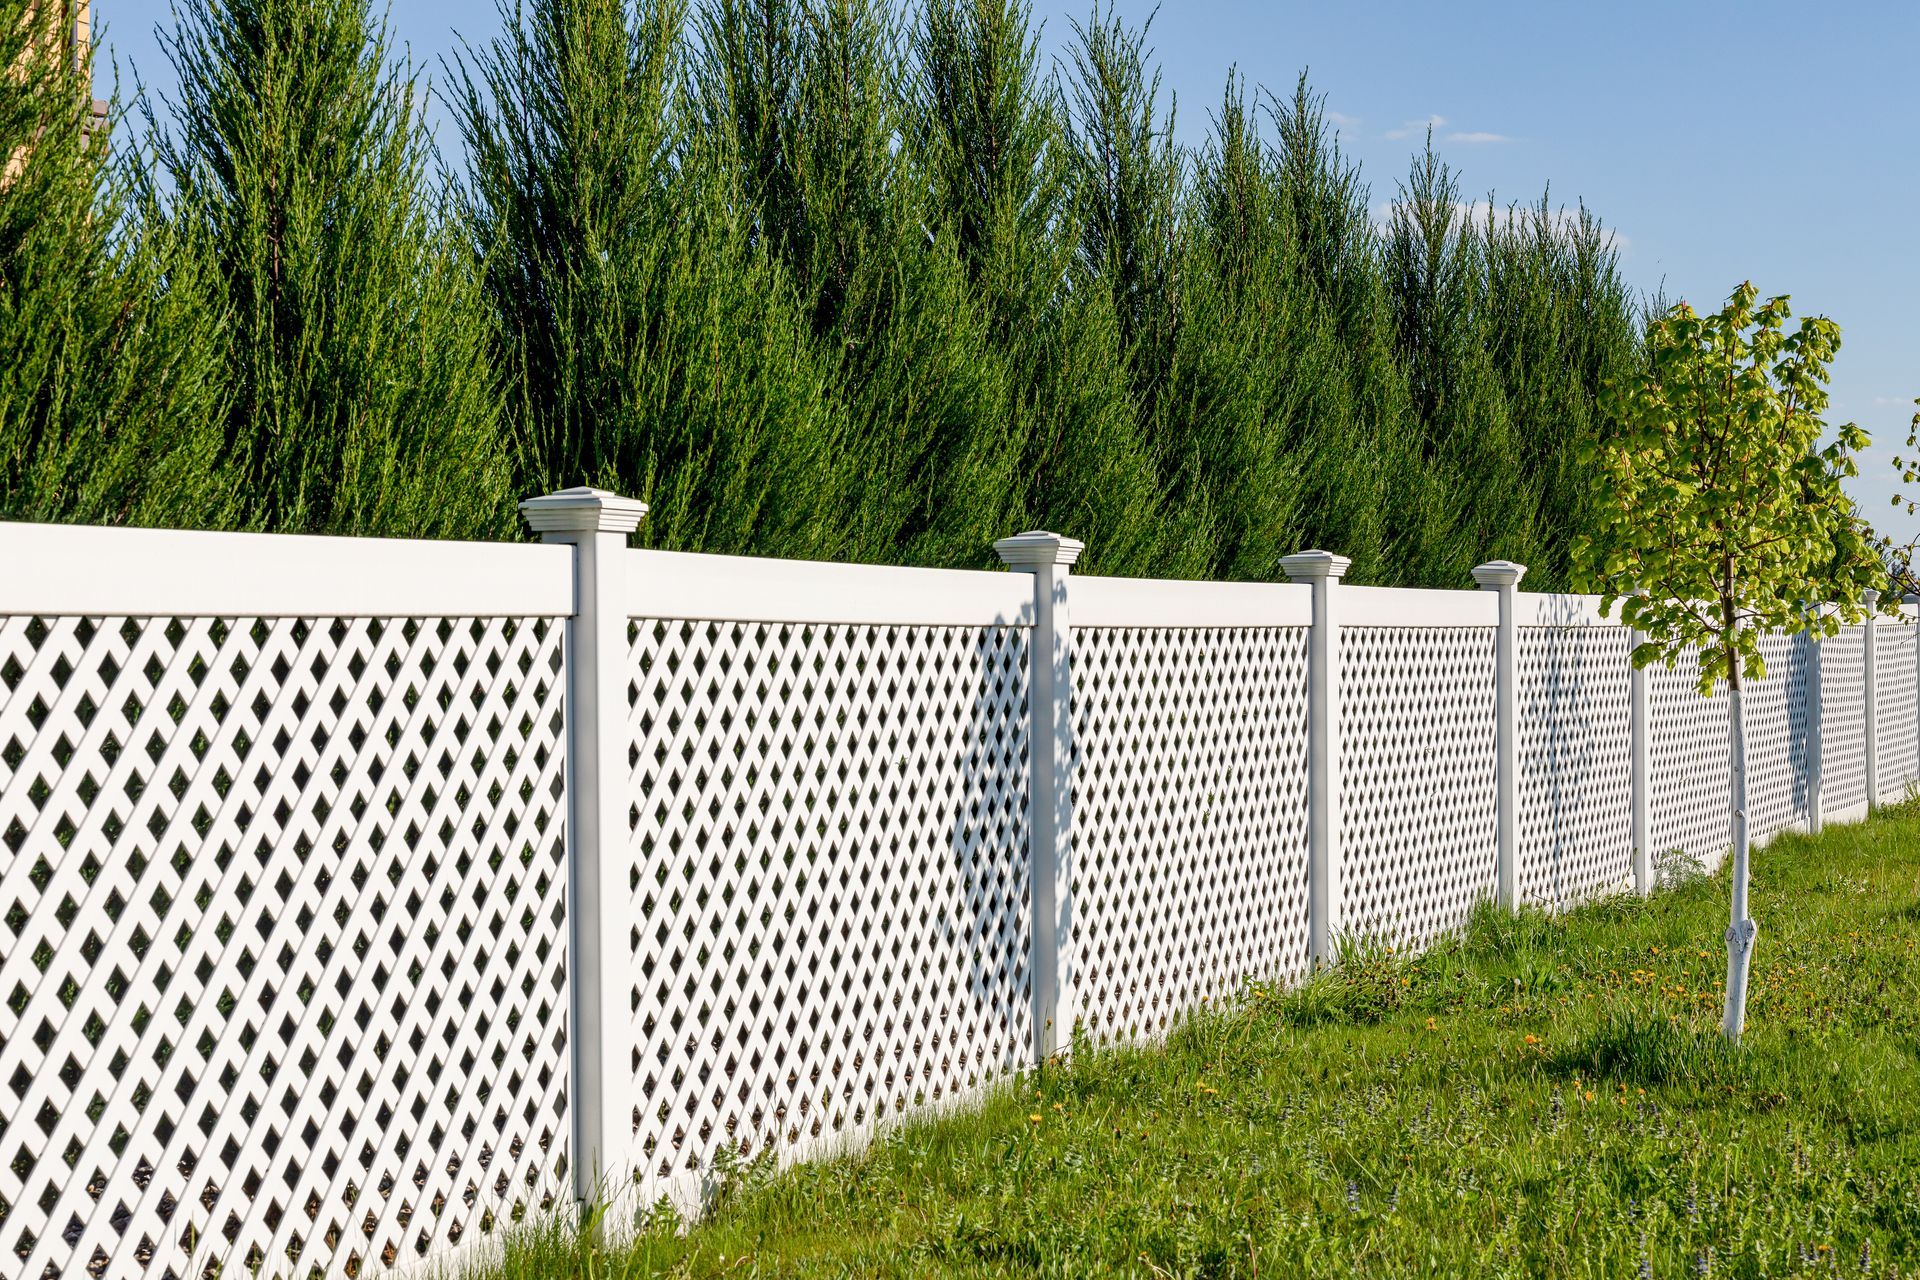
1476	137
1341	120
1414	128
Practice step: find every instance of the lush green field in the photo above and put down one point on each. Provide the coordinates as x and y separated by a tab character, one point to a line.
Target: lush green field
1545	1097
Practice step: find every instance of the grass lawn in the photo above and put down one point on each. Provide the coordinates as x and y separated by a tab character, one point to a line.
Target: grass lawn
1547	1096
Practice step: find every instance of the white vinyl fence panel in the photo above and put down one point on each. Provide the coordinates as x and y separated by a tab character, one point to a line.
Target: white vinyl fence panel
1576	776
1191	817
1690	781
1416	778
1895	694
358	898
1843	722
284	954
1777	737
829	912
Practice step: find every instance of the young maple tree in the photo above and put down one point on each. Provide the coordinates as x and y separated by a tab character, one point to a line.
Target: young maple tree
1718	516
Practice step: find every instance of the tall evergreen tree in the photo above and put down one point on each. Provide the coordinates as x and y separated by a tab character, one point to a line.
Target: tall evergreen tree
361	396
1434	259
1128	180
1559	325
986	137
1368	494
809	100
1250	377
654	348
108	358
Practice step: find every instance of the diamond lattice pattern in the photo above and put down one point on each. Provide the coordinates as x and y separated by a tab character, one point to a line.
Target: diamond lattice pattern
283	953
1896	699
1687	765
1843	720
1690	769
830	919
1416	778
1190	817
1575	762
1777	759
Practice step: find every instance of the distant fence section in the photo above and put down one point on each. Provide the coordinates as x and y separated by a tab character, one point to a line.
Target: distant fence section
360	898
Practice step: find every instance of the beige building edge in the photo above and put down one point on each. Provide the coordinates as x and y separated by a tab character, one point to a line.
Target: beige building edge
67	34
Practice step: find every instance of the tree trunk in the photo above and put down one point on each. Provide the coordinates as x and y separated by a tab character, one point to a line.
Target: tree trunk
1741	931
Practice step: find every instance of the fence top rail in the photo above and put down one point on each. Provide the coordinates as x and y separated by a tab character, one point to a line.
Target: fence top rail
1172	603
1541	609
49	570
687	585
1417	607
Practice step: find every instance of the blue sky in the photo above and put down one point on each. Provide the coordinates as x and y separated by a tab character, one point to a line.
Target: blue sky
1720	141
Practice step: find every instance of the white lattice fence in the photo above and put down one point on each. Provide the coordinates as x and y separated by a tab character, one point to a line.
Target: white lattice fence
1575	763
829	911
1778	774
1843	721
1896	695
1190	817
1416	779
284	944
1688	776
319	958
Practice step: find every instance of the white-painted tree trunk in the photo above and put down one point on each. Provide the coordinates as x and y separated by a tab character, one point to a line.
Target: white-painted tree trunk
1741	931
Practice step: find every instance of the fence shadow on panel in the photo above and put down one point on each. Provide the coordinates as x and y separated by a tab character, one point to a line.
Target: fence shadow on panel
1575	744
988	1025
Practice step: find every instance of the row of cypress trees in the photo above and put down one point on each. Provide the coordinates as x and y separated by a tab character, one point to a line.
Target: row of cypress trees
821	278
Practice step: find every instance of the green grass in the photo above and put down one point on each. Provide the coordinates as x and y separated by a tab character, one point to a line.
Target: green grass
1546	1096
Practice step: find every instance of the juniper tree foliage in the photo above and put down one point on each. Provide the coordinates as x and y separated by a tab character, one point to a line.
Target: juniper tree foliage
108	363
360	396
831	278
987	140
654	347
1435	260
809	101
1368	494
1560	326
1252	373
1126	176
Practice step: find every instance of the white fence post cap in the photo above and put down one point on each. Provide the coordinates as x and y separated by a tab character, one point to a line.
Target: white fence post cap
1305	566
1499	573
583	510
1036	548
1872	598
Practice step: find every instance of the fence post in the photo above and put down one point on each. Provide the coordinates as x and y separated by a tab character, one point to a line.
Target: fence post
596	525
1641	766
1872	599
1049	558
1812	666
1503	577
1322	570
1913	708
